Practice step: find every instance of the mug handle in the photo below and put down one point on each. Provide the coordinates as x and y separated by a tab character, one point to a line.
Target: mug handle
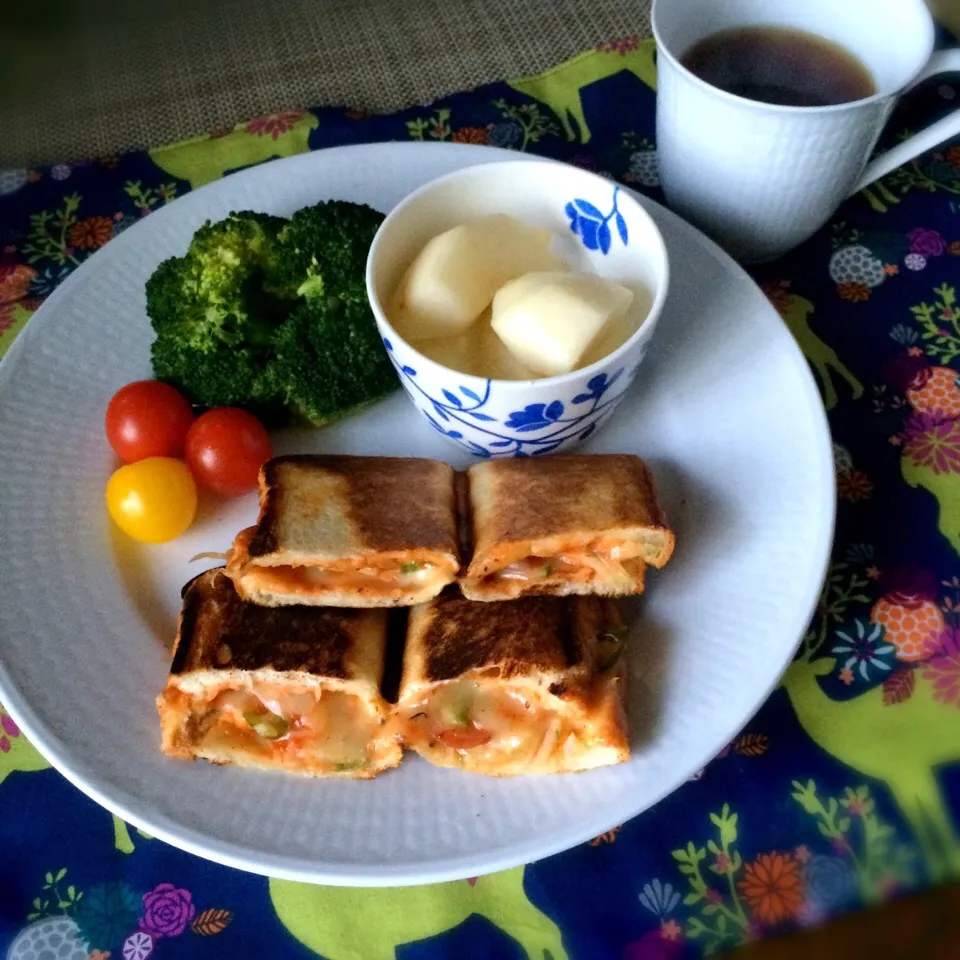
943	61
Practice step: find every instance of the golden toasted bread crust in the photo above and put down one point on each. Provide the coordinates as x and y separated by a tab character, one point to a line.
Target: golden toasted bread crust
339	506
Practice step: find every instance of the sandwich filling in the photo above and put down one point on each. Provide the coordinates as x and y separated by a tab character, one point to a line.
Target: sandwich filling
387	576
327	731
601	560
489	726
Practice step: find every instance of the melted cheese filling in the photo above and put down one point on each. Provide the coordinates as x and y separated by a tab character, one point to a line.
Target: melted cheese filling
600	560
312	580
487	726
331	729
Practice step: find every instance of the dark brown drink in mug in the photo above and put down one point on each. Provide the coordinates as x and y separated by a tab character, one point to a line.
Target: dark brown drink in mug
780	65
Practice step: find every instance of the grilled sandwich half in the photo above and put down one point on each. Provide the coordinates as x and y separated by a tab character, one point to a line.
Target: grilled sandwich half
563	525
290	688
535	685
349	532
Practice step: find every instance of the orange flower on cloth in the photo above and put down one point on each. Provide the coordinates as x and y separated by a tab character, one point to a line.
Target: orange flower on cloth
778	293
91	233
476	135
854	291
773	887
14	281
953	157
853	485
274	125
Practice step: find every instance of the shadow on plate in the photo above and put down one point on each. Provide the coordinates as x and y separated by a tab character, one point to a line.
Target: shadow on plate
135	562
648	661
702	521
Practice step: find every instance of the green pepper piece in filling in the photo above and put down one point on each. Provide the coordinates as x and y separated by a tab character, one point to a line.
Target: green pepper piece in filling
610	647
268	725
348	765
461	716
411	567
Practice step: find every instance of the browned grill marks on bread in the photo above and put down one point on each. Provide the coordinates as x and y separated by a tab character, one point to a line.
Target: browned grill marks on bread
264	538
393	658
220	631
393	503
464	520
537	498
521	636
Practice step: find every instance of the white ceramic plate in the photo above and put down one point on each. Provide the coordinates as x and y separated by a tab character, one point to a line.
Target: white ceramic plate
724	409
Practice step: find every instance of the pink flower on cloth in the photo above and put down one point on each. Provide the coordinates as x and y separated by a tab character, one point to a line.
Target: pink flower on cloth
653	945
928	243
167	910
622	45
138	946
933	441
943	669
10	729
274	125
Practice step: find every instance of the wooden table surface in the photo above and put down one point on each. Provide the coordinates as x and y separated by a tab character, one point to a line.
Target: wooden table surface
924	926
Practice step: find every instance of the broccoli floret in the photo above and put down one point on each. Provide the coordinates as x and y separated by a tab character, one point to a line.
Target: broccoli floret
221	376
213	295
324	251
234	252
272	315
329	360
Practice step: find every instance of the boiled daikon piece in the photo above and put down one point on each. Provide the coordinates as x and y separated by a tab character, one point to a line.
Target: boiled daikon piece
459	352
493	357
549	319
477	351
455	276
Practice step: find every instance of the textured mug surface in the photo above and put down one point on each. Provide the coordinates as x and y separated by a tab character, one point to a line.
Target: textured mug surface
604	231
759	177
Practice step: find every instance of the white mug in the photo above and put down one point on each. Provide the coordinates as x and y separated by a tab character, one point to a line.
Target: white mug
761	178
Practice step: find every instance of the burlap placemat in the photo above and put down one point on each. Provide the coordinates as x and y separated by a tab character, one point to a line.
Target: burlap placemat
85	78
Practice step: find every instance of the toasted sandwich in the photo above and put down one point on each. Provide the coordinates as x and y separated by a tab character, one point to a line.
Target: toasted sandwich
349	532
293	688
531	686
563	525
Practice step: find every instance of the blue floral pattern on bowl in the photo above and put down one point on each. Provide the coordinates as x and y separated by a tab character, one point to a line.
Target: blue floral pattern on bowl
593	227
610	235
537	429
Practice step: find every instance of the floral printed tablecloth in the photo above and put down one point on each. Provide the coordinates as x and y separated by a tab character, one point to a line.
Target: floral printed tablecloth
843	791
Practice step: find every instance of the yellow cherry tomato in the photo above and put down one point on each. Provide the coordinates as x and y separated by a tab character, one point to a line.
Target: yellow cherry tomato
152	500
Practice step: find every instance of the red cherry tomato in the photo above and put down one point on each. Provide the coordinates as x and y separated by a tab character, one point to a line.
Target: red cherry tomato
225	449
147	419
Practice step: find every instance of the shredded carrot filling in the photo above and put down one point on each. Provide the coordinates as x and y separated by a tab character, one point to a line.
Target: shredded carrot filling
601	558
285	723
308	580
491	726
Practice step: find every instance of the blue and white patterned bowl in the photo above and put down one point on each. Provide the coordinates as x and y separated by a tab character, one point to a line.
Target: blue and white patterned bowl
607	232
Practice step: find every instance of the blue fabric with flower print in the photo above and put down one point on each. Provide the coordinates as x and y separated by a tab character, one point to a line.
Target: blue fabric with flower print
843	791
